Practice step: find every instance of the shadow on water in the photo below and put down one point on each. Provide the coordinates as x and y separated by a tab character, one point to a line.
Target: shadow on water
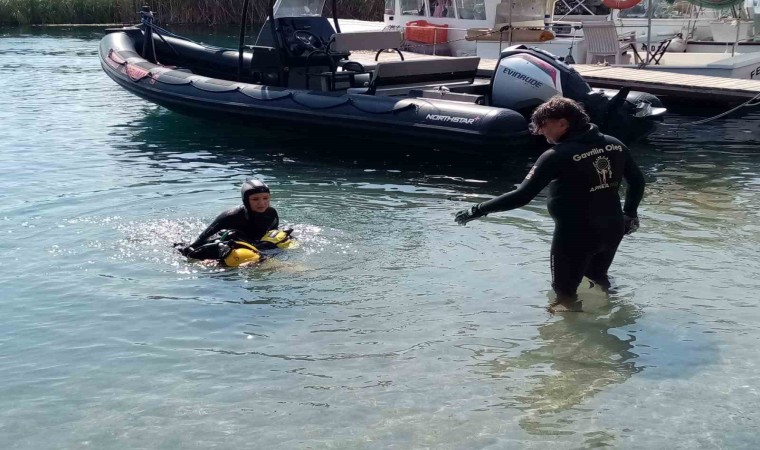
577	357
580	355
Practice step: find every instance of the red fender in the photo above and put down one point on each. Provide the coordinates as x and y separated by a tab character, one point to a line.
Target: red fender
620	4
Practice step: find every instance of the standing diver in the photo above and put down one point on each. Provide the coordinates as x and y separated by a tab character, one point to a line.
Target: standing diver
247	223
584	171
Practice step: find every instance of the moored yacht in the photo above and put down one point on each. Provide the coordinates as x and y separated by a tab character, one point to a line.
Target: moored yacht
680	37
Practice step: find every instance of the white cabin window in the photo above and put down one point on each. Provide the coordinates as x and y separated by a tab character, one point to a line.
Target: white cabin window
390	7
442	8
471	9
413	7
662	10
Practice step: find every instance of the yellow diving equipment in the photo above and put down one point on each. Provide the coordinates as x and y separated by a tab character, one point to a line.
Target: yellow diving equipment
280	239
241	253
231	251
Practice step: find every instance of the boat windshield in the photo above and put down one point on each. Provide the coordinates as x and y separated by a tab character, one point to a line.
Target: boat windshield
298	8
520	12
471	9
462	9
661	9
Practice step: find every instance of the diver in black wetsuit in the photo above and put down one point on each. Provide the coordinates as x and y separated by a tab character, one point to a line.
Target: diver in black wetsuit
250	221
584	171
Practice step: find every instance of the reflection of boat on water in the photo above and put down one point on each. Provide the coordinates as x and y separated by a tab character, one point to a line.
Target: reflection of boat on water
700	41
299	74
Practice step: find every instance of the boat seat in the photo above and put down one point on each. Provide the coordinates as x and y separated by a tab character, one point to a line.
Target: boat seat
340	80
366	40
344	43
265	64
421	72
603	41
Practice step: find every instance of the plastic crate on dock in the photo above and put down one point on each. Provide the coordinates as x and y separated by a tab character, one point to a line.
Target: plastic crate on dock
425	32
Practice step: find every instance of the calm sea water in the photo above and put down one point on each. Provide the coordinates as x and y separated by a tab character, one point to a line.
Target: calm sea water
391	327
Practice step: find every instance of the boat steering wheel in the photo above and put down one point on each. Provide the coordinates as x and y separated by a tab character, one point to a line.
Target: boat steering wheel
308	39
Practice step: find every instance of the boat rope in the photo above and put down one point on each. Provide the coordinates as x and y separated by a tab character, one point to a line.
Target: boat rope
158	31
754	101
146	19
169	33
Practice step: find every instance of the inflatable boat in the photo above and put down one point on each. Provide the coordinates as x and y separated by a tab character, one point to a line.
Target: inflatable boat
300	73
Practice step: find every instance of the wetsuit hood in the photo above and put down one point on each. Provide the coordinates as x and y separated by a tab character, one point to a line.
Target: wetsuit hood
249	188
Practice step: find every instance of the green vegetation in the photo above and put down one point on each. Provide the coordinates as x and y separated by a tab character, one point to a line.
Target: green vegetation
208	12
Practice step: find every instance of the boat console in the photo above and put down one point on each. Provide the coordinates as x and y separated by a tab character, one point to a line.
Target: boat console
296	36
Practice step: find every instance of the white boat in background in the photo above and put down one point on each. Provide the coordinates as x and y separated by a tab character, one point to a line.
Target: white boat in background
458	27
353	25
485	27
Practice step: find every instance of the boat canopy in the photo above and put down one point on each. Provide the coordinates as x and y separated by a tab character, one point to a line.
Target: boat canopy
298	8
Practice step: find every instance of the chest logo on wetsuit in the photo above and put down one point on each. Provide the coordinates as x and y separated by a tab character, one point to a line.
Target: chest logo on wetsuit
604	170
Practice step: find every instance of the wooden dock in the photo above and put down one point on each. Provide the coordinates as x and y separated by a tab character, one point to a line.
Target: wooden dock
695	89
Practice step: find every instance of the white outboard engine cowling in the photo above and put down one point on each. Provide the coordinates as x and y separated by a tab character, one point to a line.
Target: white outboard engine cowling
527	77
523	81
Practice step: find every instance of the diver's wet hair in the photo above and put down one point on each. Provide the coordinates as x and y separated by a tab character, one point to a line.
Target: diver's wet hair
561	108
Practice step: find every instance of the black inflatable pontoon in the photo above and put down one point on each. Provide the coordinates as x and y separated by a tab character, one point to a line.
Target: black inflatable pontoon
300	73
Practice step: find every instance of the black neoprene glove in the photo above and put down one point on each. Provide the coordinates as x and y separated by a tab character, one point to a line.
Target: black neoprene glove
468	214
631	224
183	248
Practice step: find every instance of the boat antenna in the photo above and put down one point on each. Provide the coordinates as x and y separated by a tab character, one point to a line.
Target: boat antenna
243	19
335	15
569	58
272	27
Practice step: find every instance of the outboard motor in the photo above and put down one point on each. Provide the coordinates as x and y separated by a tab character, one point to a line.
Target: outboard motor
524	78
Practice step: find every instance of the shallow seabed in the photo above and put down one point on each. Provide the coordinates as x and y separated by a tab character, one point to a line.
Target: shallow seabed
391	327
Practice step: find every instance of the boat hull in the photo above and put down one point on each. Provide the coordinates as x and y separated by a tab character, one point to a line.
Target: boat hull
414	121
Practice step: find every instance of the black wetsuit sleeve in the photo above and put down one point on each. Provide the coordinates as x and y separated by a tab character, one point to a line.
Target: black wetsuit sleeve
218	224
635	191
540	175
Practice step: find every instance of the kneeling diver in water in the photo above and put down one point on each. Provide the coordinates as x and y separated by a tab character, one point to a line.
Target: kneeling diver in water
237	235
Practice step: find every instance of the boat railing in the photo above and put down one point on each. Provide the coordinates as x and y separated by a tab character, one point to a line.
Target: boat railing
462	34
443	35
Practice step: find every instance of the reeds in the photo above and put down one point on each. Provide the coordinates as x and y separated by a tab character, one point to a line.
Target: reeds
208	12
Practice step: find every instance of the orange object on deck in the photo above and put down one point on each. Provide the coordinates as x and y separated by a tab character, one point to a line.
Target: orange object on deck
620	4
425	32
